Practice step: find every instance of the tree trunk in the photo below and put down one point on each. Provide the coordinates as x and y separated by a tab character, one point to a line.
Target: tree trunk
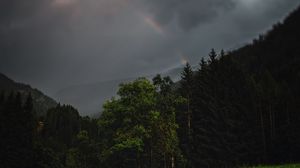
189	116
165	161
271	123
151	157
138	160
173	162
263	132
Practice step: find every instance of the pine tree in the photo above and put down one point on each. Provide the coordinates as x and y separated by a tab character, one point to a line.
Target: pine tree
184	116
186	89
222	54
28	129
212	56
2	98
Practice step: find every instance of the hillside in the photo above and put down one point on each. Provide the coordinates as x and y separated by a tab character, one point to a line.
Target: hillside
277	51
41	102
245	103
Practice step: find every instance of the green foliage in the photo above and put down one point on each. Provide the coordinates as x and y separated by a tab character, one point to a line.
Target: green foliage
45	157
62	124
139	126
278	166
72	138
84	154
72	159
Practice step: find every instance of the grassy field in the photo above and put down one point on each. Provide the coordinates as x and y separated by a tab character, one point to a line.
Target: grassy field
282	166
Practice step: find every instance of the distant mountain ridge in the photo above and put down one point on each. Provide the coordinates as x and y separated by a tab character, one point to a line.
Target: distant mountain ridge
89	98
41	102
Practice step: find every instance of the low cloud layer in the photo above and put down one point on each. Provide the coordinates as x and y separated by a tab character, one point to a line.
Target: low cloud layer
189	13
52	44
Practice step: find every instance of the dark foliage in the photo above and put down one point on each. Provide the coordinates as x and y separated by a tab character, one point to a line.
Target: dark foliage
245	103
16	131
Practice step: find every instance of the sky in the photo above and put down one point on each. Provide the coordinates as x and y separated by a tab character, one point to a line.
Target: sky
53	44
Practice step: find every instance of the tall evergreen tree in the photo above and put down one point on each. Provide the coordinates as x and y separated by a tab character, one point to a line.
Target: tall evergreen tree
184	116
212	56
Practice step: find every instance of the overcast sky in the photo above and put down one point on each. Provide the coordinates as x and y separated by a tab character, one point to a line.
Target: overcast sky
52	44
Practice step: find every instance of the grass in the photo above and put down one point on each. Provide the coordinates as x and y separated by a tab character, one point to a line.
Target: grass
281	166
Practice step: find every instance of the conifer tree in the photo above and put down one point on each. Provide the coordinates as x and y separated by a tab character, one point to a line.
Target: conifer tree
212	56
184	116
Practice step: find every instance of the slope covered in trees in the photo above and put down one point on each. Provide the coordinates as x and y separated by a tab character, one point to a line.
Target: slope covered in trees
16	131
245	103
41	102
60	139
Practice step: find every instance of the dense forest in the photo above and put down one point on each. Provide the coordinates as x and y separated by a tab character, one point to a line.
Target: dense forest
239	108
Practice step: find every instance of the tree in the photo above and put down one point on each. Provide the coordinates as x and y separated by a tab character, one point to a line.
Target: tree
129	117
212	56
184	116
45	157
84	154
220	105
62	125
167	101
140	126
27	129
186	92
222	54
16	132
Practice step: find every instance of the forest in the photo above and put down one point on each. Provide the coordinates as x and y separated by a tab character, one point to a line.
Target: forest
240	108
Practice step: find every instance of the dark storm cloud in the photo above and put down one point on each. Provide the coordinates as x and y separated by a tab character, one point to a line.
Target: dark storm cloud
189	13
257	16
16	9
27	31
55	43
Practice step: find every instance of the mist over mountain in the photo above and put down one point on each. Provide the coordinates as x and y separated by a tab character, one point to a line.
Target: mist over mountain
42	103
89	98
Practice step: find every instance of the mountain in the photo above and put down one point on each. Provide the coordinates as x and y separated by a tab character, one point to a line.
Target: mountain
41	102
243	105
277	52
89	98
